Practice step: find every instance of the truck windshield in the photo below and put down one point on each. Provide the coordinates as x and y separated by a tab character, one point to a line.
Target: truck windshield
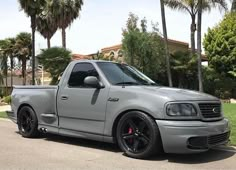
122	74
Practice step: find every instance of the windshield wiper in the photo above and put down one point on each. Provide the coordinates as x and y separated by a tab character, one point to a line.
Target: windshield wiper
127	83
150	84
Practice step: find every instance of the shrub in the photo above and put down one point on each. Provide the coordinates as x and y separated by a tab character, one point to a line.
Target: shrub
217	84
7	99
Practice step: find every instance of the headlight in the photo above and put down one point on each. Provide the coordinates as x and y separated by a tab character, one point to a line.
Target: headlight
181	109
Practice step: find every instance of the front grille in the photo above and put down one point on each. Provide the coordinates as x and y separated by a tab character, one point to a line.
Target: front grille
210	110
217	139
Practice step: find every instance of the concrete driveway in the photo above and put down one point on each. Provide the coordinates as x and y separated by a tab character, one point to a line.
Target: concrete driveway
55	152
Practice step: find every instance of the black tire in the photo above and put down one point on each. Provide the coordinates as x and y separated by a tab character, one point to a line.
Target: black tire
138	135
27	122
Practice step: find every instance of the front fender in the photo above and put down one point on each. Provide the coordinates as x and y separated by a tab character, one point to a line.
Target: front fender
128	100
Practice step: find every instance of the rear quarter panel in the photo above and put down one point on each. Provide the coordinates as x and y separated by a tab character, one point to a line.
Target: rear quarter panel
41	99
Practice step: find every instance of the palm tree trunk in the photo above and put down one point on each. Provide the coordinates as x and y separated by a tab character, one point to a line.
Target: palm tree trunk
63	31
166	42
24	70
11	71
6	90
199	45
5	73
193	29
48	43
33	26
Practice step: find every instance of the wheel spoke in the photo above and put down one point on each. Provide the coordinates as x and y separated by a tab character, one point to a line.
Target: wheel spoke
26	122
144	140
27	128
135	145
141	126
131	123
144	137
23	122
128	136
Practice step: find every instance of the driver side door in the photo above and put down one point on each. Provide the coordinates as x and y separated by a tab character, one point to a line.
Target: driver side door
82	108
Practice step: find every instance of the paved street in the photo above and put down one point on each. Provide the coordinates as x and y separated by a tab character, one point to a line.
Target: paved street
55	152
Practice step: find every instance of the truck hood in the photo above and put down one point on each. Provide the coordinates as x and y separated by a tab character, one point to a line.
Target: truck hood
173	94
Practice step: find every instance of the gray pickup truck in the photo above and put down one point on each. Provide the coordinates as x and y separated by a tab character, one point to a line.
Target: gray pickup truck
112	102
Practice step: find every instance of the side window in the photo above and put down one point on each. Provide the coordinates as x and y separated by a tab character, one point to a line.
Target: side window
80	72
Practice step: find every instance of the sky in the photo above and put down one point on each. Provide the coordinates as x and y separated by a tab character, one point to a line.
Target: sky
100	23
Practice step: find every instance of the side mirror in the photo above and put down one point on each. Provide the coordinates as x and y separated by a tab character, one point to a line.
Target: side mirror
93	82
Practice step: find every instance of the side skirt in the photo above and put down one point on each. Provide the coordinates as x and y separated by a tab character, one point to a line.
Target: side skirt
75	133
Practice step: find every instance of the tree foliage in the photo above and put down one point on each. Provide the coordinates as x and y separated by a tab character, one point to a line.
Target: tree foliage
218	85
64	12
46	25
191	7
4	58
220	45
55	60
142	48
23	49
184	70
32	9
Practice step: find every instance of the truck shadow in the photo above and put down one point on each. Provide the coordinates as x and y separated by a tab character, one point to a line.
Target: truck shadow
212	155
81	142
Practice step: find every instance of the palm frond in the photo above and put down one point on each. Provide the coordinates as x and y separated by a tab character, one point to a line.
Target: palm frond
181	5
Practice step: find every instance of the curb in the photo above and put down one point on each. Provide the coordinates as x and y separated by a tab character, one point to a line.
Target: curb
5	119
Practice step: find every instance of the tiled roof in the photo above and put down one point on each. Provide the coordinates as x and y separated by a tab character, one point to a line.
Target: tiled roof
80	57
114	47
118	46
178	42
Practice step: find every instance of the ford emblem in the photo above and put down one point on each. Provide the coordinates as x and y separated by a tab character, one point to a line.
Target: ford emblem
216	110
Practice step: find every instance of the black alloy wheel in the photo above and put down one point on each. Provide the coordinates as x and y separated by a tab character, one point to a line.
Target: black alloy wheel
138	135
27	122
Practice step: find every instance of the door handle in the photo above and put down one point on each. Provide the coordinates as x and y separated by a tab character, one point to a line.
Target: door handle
64	97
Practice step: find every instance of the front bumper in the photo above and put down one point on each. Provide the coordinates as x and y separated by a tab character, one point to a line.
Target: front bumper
192	136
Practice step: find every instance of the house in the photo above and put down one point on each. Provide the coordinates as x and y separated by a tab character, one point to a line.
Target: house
116	51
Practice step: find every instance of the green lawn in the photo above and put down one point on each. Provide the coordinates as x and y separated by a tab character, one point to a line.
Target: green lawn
230	113
3	115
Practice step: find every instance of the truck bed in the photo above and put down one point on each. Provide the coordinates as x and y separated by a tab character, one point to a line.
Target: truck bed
35	87
41	98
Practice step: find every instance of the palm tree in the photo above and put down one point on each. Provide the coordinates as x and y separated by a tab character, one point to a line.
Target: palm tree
32	9
212	3
46	28
166	42
191	7
184	69
11	53
24	48
199	45
64	13
4	65
46	25
8	50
